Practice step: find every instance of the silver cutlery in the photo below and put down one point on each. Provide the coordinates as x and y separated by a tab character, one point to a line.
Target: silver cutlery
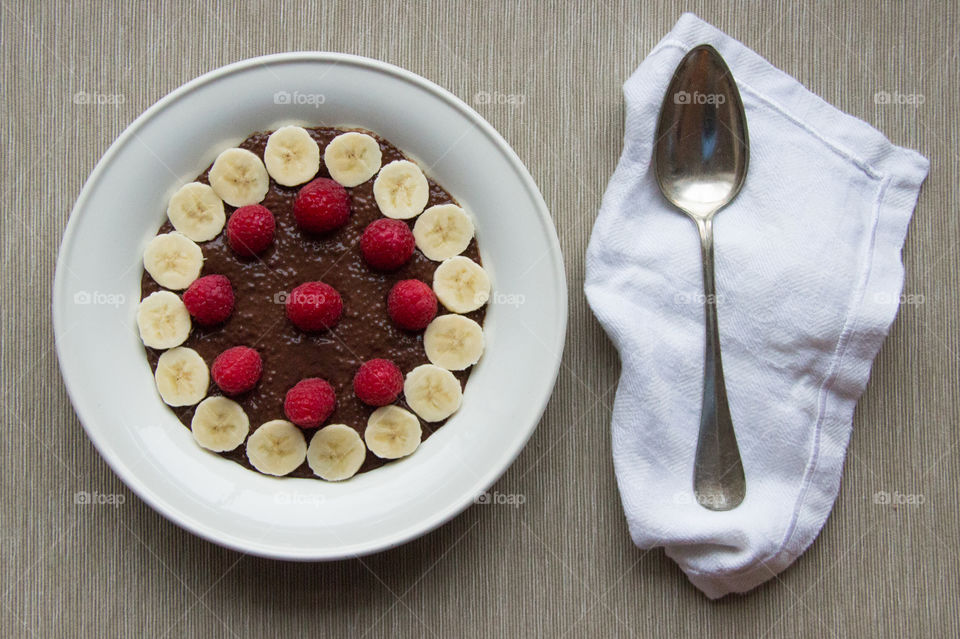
700	159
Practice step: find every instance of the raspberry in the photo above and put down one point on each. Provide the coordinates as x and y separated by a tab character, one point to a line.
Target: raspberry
237	370
387	244
314	306
209	299
378	382
411	304
322	205
310	402
250	230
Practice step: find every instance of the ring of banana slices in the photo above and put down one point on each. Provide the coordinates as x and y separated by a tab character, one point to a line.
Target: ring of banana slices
452	341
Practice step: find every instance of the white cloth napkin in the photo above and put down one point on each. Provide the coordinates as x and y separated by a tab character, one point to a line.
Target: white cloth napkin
809	278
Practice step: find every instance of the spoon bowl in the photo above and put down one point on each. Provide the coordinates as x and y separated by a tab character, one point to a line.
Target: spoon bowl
701	152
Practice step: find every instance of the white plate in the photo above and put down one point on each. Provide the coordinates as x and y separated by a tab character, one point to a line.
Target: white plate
98	284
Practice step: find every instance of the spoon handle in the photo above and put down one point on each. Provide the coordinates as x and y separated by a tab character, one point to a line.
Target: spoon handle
718	479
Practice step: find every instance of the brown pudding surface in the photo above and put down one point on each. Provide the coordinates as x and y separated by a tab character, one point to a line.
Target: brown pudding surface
260	285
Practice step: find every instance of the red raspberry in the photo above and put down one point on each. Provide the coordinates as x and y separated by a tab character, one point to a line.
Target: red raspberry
387	244
310	402
322	205
209	299
314	306
250	229
378	382
411	304
237	370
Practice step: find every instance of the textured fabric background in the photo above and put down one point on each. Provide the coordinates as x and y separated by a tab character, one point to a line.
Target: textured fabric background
548	77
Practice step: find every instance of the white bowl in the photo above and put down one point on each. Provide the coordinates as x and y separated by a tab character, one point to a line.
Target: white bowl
97	289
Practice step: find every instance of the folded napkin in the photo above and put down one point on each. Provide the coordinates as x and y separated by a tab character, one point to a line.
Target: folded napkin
808	277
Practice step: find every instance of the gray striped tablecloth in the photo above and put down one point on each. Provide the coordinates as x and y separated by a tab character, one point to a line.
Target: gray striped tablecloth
548	76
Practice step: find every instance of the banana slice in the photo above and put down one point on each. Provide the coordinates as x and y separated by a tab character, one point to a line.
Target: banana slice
401	190
163	320
461	284
219	424
352	158
336	452
392	432
276	448
432	392
443	231
292	157
173	260
197	212
453	342
239	177
182	376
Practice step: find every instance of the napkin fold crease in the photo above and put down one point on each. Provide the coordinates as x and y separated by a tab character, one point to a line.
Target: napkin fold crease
809	277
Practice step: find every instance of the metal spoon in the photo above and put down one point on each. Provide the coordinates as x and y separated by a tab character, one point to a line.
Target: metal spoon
700	158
